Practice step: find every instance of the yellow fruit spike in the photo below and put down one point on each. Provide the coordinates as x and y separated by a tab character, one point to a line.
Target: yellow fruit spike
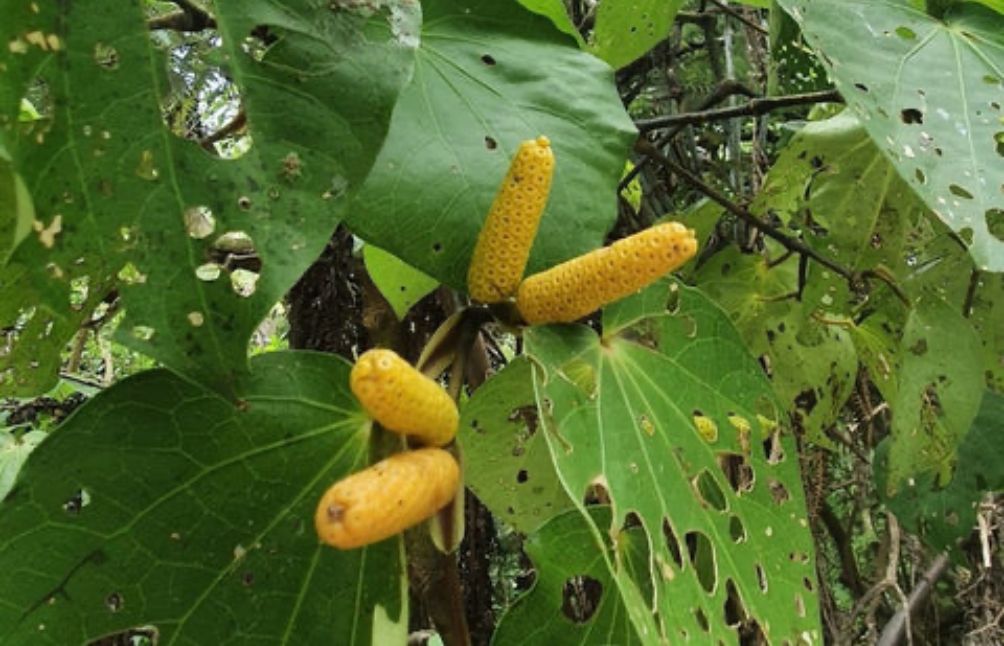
582	285
507	235
402	399
387	498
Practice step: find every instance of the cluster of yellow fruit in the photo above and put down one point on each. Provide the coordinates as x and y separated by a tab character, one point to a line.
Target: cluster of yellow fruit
406	488
575	288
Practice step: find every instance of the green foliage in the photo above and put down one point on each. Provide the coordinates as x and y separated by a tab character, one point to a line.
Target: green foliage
488	76
112	186
926	91
626	30
674	421
946	511
160	500
568	555
401	284
500	432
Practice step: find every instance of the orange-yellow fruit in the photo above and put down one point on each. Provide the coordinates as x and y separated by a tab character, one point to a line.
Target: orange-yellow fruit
507	235
402	399
582	285
387	498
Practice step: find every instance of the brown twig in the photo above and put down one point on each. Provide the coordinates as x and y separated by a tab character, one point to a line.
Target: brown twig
895	630
738	16
645	147
755	107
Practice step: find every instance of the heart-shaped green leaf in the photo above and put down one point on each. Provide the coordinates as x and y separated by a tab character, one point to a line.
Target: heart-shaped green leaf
162	504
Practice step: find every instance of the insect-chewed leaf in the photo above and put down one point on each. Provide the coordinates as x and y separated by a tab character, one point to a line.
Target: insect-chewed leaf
387	498
402	399
582	285
507	235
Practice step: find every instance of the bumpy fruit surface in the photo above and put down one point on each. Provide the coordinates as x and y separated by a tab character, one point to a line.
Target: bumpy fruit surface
582	285
507	235
387	498
402	399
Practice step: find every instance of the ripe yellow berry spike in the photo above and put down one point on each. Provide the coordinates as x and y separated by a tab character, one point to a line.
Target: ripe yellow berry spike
507	235
582	285
387	498
402	399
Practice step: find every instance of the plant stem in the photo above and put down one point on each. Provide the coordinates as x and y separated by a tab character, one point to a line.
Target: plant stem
755	107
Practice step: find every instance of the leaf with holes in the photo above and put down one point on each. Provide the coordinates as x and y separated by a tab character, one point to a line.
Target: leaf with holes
198	247
573	599
625	31
811	363
489	75
514	477
944	513
160	503
931	95
832	184
938	391
671	420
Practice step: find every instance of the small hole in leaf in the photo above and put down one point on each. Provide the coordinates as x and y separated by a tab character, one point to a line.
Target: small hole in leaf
106	56
143	332
995	223
702	557
522	476
209	271
247	579
244	282
671	543
702	619
114	602
861	87
966	233
737	471
958	191
488	59
778	492
596	494
734	610
437	247
761	578
807	583
706	427
912	116
490	143
736	530
906	33
76	502
921	177
199	221
799	605
581	597
708	490
773	452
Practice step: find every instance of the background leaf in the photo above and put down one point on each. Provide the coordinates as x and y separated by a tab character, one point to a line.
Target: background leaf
942	514
400	283
564	553
927	91
161	503
625	31
113	185
555	10
500	433
488	76
677	426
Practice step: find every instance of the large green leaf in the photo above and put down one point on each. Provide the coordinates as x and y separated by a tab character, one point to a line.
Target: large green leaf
489	75
112	185
929	93
569	566
161	503
945	513
514	475
625	31
940	384
671	418
811	363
